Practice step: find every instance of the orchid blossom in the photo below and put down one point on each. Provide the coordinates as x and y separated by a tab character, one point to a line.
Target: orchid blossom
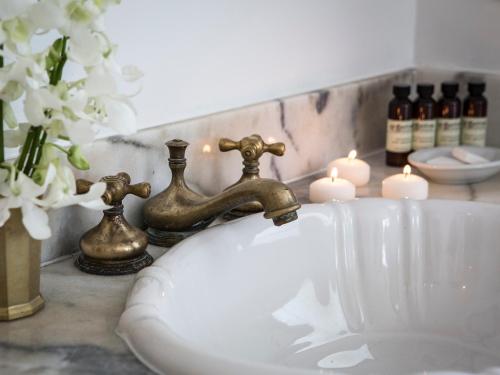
60	114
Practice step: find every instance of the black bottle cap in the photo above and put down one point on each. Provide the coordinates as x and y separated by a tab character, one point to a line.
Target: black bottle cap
476	87
449	89
425	90
401	91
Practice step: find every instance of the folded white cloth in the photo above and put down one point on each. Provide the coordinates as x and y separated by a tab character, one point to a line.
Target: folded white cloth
444	160
467	157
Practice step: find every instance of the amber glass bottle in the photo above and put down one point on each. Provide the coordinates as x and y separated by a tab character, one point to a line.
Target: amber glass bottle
449	116
424	115
399	127
475	119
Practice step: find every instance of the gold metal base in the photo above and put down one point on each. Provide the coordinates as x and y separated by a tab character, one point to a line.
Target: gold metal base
113	267
168	239
22	310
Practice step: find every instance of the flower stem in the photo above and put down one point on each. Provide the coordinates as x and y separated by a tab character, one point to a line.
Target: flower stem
40	136
33	150
39	152
57	72
25	149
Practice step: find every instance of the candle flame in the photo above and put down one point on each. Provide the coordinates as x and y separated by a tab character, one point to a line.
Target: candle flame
352	155
206	149
407	170
334	174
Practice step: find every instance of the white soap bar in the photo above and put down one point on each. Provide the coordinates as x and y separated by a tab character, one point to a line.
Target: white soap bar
444	160
467	156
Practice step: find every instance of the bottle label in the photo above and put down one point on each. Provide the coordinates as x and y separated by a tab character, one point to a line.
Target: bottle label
424	134
474	131
448	132
398	135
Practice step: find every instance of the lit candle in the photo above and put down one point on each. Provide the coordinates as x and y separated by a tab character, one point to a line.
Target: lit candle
329	188
355	170
405	185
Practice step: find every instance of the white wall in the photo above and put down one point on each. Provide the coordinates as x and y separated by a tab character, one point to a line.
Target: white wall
202	57
458	35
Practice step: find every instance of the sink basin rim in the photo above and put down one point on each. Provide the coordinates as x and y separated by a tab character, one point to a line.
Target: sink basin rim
185	356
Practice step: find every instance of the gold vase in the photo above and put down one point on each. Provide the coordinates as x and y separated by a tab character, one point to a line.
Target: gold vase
19	270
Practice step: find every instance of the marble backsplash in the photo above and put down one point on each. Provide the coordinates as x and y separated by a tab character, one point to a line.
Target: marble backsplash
316	127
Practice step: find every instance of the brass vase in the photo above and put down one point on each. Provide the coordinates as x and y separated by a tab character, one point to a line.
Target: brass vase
19	270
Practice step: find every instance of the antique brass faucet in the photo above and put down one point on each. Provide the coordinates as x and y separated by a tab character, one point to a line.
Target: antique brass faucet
114	247
178	212
251	149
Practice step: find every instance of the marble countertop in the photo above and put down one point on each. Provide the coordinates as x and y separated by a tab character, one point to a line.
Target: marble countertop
487	191
74	333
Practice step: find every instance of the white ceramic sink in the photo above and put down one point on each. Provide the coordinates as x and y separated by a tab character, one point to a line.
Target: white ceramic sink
367	287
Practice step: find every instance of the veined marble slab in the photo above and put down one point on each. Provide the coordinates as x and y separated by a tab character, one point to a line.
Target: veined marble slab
316	127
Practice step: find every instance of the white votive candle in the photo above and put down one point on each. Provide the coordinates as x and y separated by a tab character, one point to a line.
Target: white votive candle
355	170
331	188
405	185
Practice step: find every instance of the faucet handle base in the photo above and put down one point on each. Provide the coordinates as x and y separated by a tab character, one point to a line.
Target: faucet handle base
113	267
166	238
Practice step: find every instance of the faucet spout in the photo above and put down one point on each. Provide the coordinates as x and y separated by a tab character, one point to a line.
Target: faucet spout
178	212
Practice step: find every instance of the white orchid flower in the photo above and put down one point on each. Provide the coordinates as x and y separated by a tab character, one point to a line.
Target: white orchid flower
22	192
40	105
69	110
47	14
115	111
61	112
86	47
14	8
131	73
26	72
16	27
62	192
120	115
65	15
15	138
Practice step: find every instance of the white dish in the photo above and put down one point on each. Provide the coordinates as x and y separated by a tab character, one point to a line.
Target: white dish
370	286
456	174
